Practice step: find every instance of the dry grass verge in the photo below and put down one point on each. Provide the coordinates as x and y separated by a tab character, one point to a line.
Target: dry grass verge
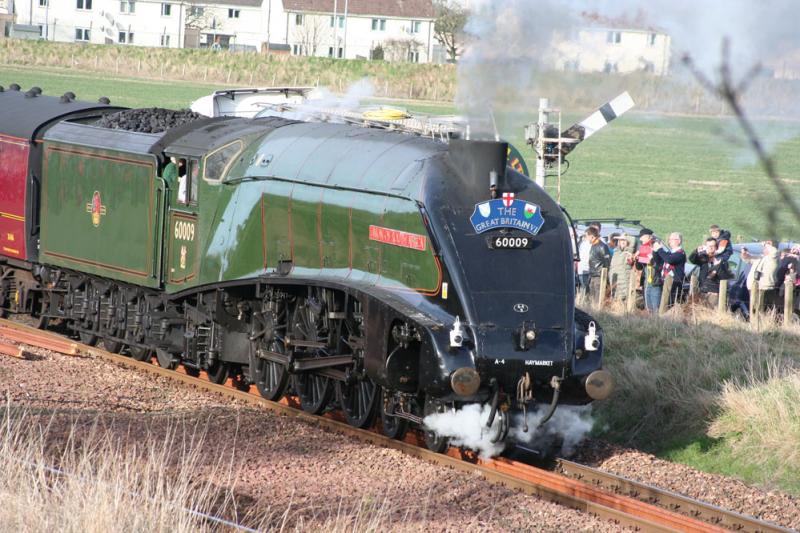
62	473
762	423
90	482
695	376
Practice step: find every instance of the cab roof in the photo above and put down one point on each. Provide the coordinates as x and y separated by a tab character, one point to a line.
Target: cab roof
22	115
206	135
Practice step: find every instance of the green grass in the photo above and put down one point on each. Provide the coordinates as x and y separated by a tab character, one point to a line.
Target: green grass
128	92
717	456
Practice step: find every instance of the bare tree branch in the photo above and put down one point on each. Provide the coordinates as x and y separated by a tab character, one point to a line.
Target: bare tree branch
730	92
449	26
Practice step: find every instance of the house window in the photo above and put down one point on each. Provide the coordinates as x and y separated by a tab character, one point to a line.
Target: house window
651	39
339	19
166	10
572	65
296	49
81	34
165	41
378	24
614	37
610	67
196	11
416	26
43	3
413	57
339	52
127	6
125	37
298	19
84	4
233	13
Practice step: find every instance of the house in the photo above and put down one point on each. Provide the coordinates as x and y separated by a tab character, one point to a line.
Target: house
232	23
400	30
6	17
619	45
395	30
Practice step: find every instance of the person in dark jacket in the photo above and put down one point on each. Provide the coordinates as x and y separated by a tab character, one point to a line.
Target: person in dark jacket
674	261
599	258
711	270
723	238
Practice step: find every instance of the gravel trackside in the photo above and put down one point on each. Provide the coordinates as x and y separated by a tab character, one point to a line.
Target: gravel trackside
725	492
297	475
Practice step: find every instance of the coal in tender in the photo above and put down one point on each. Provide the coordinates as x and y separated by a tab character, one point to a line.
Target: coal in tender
147	120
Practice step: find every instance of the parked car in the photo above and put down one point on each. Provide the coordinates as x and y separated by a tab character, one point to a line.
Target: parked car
610	226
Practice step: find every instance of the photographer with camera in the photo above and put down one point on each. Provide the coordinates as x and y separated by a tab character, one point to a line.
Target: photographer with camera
673	260
713	268
763	276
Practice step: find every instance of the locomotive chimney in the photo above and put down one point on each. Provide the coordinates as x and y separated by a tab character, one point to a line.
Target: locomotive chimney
481	163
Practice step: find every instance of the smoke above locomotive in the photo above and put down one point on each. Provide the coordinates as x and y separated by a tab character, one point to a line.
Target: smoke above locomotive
382	272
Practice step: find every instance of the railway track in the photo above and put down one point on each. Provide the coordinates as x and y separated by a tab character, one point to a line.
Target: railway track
623	501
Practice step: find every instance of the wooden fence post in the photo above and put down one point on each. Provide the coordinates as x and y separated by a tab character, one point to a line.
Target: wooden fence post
788	302
632	282
722	302
694	285
755	304
601	296
666	289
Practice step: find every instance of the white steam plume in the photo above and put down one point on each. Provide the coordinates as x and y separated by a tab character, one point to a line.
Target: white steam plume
324	102
467	427
570	423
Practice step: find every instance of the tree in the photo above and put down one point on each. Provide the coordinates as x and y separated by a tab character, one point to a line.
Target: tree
311	34
199	17
400	49
448	29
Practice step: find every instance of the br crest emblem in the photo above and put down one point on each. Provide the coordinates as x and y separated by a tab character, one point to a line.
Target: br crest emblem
183	257
96	208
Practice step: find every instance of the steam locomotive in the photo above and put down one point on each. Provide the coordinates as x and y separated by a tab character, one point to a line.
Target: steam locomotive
387	274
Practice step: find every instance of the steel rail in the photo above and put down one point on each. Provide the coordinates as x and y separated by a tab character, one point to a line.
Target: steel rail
621	509
668	499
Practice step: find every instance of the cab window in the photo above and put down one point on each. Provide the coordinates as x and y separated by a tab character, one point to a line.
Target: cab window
218	161
188	171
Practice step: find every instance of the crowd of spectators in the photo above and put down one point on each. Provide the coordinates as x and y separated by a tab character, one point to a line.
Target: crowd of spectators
638	267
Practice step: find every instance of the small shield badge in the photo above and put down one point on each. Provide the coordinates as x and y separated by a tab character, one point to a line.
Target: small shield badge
484	209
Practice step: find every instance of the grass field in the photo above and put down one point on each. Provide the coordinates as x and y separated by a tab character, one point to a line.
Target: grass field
674	173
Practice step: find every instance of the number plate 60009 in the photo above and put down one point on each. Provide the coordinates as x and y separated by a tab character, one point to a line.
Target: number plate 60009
510	242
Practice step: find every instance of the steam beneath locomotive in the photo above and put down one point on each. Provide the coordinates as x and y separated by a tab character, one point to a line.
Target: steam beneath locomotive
466	427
